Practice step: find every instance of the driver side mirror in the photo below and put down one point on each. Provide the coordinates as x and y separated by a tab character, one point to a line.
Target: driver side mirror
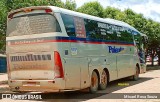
136	41
145	39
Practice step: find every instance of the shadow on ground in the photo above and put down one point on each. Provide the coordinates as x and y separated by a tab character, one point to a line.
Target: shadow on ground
82	96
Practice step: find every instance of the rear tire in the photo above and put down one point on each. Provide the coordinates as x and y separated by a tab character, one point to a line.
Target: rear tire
104	80
94	82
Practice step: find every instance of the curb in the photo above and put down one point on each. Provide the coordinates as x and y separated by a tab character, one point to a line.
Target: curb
153	68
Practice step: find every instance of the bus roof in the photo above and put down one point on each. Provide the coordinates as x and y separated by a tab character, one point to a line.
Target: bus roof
106	20
65	11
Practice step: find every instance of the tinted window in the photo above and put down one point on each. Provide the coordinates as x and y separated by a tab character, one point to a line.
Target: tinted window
125	35
80	28
95	30
32	24
98	30
92	30
69	24
138	39
107	31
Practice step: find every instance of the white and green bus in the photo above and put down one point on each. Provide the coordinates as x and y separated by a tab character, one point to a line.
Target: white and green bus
50	49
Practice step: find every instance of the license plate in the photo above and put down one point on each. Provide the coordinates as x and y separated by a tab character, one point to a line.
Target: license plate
31	84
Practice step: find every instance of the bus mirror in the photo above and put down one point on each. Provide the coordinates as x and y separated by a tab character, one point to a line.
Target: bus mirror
145	39
136	41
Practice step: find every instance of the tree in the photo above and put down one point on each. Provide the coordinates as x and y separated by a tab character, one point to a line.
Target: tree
3	13
16	4
111	12
153	32
70	4
92	8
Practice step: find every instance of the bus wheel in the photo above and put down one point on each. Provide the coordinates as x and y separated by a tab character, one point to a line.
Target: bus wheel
136	76
104	80
94	82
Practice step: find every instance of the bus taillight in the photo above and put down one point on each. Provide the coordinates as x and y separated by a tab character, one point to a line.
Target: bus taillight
58	68
11	15
48	10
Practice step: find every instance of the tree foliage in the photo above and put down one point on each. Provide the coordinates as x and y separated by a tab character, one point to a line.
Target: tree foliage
70	4
92	8
16	4
3	20
111	12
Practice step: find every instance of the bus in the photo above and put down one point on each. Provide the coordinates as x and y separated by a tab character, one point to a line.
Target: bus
51	49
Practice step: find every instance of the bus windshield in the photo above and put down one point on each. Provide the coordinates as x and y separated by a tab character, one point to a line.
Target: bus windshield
32	24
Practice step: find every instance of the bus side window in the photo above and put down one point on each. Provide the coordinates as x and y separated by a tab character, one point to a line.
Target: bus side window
90	26
137	39
126	35
69	24
106	32
99	30
111	34
79	27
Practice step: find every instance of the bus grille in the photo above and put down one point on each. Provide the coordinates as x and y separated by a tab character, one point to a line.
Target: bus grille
30	57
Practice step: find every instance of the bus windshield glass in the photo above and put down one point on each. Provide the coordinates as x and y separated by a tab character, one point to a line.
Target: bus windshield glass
32	24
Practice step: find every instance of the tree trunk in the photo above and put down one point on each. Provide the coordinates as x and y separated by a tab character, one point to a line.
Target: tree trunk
159	58
152	64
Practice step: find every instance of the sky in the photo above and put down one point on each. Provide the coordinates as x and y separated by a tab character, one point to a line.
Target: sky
149	8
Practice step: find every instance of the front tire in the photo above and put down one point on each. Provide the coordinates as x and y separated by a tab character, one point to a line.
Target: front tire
94	82
104	80
136	75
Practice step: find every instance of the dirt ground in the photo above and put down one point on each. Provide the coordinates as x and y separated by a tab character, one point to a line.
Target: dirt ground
148	83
